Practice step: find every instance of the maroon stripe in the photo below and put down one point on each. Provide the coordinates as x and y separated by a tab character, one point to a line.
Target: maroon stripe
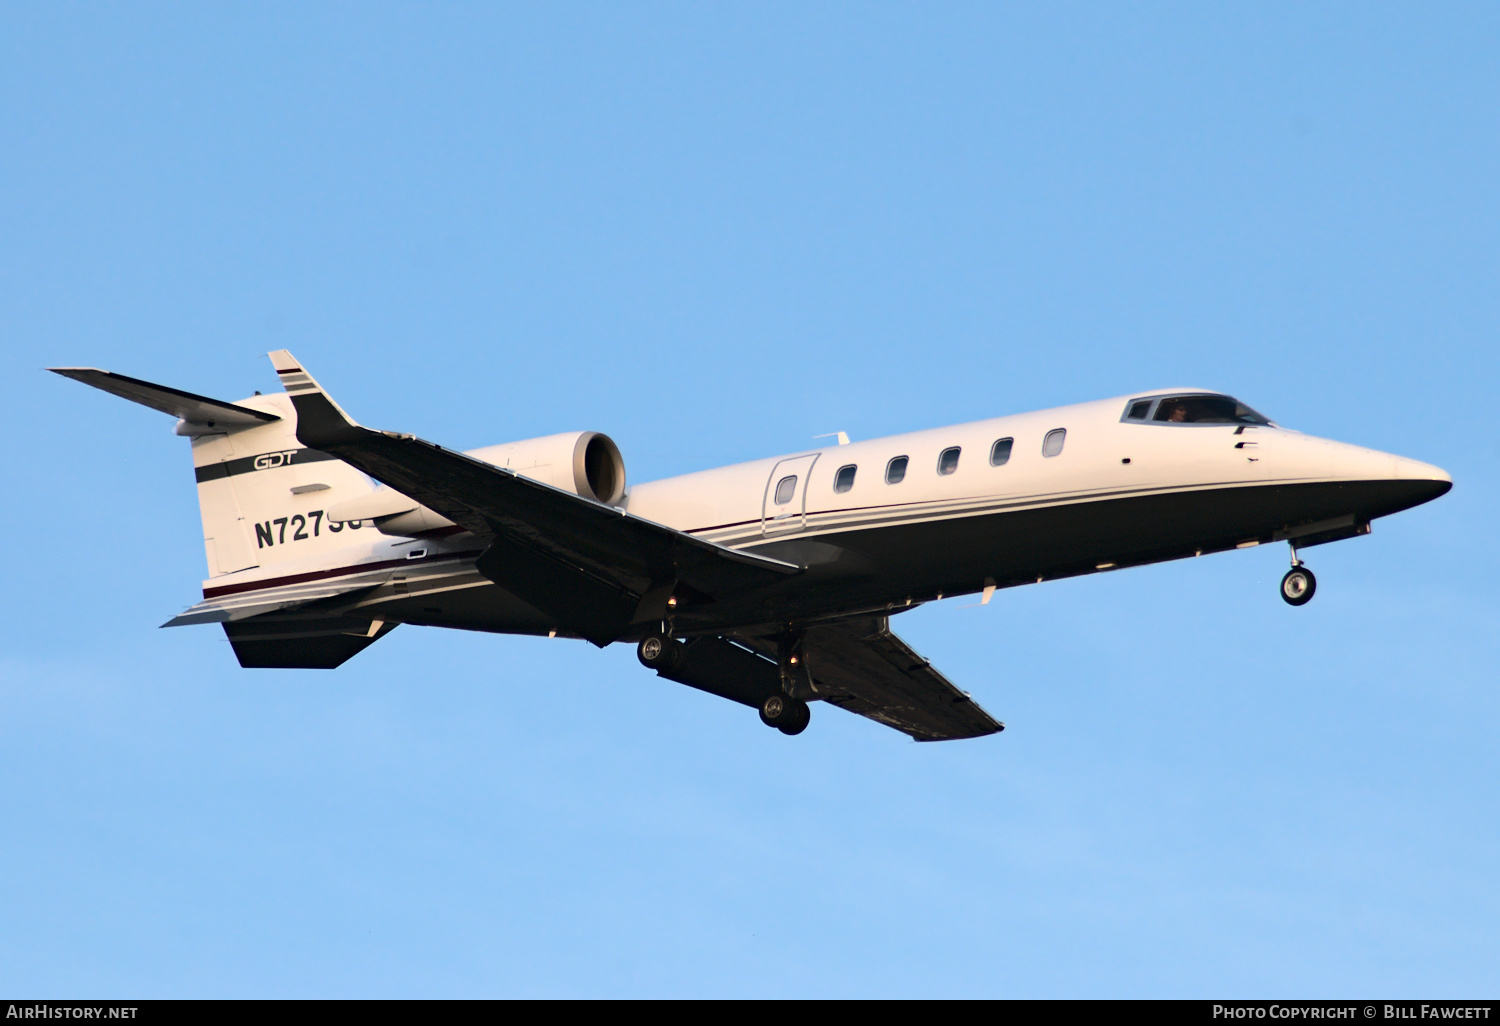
319	575
718	527
814	513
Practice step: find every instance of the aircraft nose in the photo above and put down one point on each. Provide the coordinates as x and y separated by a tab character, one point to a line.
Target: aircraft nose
1393	482
1424	480
1416	470
1353	461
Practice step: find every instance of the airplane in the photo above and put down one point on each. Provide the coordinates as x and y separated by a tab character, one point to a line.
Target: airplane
769	583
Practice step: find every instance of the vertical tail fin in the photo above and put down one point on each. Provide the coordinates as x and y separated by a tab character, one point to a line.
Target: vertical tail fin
263	495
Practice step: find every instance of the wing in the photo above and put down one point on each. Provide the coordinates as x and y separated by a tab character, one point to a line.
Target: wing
861	666
597	570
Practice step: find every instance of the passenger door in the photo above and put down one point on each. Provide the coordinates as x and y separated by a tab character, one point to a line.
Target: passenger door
785	506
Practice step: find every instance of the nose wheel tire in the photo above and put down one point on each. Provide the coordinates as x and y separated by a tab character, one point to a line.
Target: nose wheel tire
1298	586
787	715
658	652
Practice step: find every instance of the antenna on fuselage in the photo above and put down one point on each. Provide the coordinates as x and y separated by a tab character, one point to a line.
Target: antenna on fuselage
842	436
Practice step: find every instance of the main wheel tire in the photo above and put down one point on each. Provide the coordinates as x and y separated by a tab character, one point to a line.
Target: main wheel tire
1298	586
774	709
657	652
797	718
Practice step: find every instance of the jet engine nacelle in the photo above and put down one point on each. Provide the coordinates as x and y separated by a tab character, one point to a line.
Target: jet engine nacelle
585	463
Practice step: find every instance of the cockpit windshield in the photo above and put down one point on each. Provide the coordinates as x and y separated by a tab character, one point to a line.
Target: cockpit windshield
1198	409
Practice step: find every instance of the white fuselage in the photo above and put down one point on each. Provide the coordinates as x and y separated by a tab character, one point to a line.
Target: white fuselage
1105	492
1101	456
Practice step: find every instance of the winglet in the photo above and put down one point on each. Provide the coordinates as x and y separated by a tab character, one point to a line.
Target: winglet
320	420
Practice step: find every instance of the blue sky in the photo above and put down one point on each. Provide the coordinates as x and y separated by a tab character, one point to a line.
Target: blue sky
712	232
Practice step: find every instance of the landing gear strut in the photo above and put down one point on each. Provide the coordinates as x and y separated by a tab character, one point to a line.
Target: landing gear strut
1299	584
788	715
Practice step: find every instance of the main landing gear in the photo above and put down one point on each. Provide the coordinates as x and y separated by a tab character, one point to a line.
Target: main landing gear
1299	584
788	715
785	711
658	652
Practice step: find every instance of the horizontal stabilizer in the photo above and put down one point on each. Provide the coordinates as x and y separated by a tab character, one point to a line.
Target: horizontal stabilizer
243	605
195	409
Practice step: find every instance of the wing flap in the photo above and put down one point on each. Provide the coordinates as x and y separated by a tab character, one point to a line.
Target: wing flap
863	668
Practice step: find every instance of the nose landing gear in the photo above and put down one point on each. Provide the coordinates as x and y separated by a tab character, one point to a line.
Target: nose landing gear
1299	584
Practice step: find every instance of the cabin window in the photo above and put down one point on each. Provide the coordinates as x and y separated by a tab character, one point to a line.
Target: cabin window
1000	452
1053	443
1138	410
1205	409
895	471
786	488
948	461
844	479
